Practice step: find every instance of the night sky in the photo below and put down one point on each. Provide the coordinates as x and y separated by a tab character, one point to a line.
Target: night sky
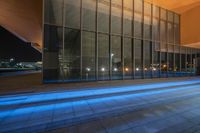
13	47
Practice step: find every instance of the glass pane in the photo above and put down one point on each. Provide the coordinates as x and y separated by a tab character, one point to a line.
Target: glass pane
72	13
53	12
193	62
177	65
177	34
88	56
156	32
170	16
138	59
189	62
53	53
116	58
163	14
156	60
138	5
176	18
89	14
170	33
128	61
72	55
183	62
163	31
163	64
170	60
128	17
103	57
138	18
156	12
103	15
116	15
147	59
147	21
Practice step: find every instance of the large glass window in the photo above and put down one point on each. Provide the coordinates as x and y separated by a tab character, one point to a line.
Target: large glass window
116	14
88	56
116	57
72	51
103	57
138	59
72	13
53	52
138	6
89	13
147	59
128	60
128	17
53	12
103	15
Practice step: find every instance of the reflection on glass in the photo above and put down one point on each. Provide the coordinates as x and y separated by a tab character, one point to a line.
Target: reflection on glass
177	67
183	61
155	28
89	13
72	50
103	15
138	59
177	34
189	62
128	60
156	60
116	16
170	33
163	13
163	31
138	18
53	50
164	64
128	17
53	12
147	59
72	13
147	21
88	56
103	57
116	58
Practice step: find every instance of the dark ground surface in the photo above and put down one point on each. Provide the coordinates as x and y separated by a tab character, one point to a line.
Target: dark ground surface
139	106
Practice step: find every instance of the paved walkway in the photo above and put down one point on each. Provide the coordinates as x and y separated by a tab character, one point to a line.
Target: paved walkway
171	107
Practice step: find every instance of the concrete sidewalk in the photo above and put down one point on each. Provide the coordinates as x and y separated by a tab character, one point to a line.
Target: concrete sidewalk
128	106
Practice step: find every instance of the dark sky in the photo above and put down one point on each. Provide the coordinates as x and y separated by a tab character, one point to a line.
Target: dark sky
13	47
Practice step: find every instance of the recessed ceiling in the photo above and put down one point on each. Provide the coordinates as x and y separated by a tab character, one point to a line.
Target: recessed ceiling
179	6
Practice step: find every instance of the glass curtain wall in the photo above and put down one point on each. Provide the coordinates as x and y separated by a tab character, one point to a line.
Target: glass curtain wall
89	40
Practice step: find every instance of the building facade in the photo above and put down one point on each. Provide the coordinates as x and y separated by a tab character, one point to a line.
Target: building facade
92	40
